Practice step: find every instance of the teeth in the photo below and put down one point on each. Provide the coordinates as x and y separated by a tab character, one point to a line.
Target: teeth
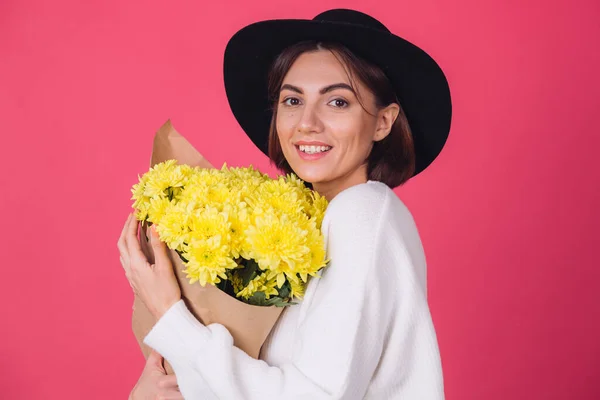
313	149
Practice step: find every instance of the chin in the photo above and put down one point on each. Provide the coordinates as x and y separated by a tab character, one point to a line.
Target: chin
310	176
311	172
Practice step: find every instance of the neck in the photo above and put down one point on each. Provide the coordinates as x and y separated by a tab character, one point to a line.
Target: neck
330	189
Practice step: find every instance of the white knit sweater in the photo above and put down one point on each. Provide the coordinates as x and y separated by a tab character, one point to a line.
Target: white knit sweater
363	330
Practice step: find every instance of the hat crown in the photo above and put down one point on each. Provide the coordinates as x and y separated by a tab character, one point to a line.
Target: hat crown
342	15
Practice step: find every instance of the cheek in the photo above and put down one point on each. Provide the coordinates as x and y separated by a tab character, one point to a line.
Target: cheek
284	126
285	133
351	133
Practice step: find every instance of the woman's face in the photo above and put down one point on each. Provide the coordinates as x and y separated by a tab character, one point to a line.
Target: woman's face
325	134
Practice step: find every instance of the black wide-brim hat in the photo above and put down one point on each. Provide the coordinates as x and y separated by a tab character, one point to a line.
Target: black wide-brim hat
420	84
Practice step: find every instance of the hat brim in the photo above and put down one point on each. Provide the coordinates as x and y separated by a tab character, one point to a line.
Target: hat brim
419	82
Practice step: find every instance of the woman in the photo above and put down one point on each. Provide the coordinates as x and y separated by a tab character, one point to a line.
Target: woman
354	127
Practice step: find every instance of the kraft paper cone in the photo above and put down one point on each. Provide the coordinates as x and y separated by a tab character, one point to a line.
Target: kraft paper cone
249	325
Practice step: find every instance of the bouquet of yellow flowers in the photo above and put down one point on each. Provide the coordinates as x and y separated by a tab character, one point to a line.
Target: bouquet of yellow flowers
242	245
255	238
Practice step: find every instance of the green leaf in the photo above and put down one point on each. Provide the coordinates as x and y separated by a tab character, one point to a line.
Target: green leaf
226	286
285	290
249	272
259	299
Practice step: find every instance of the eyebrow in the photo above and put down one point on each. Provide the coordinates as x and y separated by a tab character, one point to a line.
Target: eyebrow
324	90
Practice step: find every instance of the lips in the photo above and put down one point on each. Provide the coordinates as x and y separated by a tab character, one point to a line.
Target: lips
313	149
311	156
311	143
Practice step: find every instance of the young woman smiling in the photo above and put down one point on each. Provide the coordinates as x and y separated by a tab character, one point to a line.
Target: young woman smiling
354	111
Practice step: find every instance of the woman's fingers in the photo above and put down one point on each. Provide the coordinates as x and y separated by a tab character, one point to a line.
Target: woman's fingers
131	234
136	256
160	250
168	382
154	383
122	244
172	395
155	361
124	230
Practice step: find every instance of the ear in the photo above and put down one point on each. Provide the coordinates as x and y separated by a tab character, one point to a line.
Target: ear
385	120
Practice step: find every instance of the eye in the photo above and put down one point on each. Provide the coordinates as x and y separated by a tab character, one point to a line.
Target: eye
291	102
339	103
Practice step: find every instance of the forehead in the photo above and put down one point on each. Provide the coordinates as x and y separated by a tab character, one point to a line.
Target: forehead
318	67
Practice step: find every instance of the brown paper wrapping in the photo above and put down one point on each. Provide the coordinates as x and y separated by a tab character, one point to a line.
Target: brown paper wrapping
249	325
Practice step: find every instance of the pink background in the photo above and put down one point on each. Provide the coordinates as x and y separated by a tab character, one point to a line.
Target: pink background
508	214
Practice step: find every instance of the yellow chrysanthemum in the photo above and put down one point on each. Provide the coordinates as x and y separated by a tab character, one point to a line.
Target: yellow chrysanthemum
280	195
164	180
318	207
208	222
298	289
138	190
249	174
221	193
277	244
236	280
157	209
315	259
141	203
239	220
293	180
205	177
174	226
141	210
208	259
259	284
163	176
194	195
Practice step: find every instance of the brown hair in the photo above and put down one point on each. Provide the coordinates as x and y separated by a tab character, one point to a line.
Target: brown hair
392	159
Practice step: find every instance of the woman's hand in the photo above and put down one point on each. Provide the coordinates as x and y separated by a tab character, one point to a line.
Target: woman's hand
155	383
155	284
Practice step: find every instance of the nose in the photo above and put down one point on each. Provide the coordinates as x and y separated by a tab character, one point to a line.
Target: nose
309	121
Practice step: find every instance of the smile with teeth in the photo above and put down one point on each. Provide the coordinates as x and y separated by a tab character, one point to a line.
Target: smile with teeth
313	149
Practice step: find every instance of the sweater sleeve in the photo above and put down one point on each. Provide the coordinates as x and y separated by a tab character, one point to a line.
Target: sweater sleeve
338	342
